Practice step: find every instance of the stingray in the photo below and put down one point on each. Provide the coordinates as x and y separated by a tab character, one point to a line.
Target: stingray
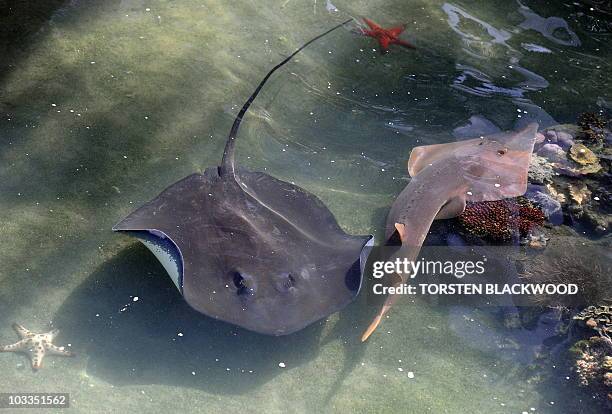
445	177
249	249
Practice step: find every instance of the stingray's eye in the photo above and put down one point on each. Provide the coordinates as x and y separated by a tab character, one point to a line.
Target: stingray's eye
289	281
285	282
240	283
502	151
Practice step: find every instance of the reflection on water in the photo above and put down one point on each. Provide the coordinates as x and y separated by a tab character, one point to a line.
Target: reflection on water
553	28
455	17
104	104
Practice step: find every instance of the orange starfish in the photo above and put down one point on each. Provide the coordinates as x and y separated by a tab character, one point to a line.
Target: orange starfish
386	37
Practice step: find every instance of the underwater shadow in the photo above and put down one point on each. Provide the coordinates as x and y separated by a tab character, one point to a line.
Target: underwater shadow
158	339
20	23
349	328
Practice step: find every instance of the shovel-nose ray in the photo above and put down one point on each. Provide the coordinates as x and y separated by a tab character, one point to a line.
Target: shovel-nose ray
249	249
445	177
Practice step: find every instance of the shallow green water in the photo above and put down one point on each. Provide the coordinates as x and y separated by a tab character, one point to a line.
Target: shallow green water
106	103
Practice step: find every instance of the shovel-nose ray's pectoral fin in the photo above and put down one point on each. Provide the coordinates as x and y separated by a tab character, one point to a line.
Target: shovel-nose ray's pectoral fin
499	176
514	145
424	156
452	208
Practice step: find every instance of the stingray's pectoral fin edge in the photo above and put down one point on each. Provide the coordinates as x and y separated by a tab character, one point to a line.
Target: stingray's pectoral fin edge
354	276
163	247
363	257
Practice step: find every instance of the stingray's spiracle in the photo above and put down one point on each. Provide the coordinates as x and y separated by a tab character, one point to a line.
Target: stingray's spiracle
227	163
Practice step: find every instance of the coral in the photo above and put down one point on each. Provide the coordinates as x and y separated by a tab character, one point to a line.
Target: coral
582	155
577	171
579	192
540	170
607	364
557	195
598	318
499	220
589	120
592	365
593	128
592	135
590	203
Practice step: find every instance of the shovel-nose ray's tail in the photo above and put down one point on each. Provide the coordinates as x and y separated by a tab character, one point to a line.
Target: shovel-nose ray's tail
447	176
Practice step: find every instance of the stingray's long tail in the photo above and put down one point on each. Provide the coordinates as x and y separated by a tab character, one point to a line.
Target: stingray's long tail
227	164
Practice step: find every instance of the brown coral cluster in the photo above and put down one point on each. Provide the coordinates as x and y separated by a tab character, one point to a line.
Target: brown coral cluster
588	120
499	220
592	126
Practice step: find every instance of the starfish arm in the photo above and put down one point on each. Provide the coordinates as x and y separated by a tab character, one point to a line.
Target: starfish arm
36	356
405	44
58	350
366	32
16	347
396	31
384	44
371	24
21	331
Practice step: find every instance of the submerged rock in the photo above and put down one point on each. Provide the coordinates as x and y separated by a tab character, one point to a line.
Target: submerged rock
564	139
561	138
553	153
551	207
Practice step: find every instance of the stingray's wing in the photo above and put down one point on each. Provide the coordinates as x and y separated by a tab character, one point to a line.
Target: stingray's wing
165	224
281	241
293	204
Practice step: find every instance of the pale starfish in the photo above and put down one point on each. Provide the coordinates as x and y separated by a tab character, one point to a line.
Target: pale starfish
36	346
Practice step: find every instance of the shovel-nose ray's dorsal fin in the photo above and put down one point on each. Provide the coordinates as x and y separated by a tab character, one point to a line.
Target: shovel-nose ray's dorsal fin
227	164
